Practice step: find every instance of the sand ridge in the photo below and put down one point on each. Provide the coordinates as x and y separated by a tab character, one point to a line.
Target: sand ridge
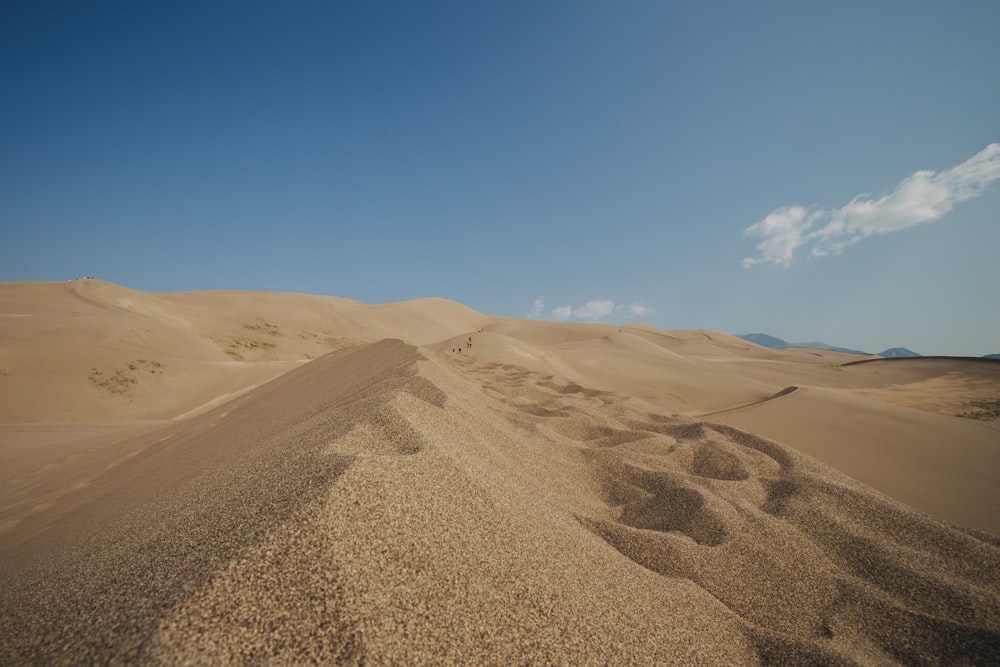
549	495
423	508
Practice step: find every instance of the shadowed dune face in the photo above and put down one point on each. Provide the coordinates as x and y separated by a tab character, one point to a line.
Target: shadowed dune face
541	497
109	559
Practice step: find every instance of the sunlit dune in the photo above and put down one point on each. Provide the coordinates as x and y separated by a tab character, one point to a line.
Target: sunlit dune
220	477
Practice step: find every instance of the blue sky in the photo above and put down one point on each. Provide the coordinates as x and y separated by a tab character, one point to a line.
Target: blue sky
816	171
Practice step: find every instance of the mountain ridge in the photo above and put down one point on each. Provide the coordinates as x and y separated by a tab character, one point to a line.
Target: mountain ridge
775	343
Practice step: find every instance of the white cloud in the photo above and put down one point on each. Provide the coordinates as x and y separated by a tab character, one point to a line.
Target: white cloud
782	231
923	197
594	309
597	309
536	308
638	310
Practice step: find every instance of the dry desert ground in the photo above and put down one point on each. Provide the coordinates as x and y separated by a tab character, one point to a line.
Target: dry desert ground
251	477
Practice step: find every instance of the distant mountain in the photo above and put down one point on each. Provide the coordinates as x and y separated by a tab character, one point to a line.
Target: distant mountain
991	356
897	352
816	345
777	344
766	341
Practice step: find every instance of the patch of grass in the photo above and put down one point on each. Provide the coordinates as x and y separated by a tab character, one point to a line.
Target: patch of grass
238	343
323	338
236	347
120	381
264	328
985	410
141	364
338	342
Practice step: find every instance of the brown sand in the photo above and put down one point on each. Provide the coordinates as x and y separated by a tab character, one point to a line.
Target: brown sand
935	463
547	496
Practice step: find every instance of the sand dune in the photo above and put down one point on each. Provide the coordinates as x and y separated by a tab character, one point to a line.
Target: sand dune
548	495
938	464
87	350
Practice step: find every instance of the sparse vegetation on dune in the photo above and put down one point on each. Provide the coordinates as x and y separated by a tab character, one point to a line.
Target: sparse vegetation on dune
985	410
330	341
264	328
236	346
120	380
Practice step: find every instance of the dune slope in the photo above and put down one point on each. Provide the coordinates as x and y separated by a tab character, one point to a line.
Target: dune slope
88	350
386	504
936	463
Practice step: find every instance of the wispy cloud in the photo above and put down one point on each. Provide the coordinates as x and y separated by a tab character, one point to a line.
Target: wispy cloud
536	308
923	197
594	310
597	309
638	310
562	313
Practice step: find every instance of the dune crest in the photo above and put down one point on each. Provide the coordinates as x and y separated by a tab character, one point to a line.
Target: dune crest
553	493
386	505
